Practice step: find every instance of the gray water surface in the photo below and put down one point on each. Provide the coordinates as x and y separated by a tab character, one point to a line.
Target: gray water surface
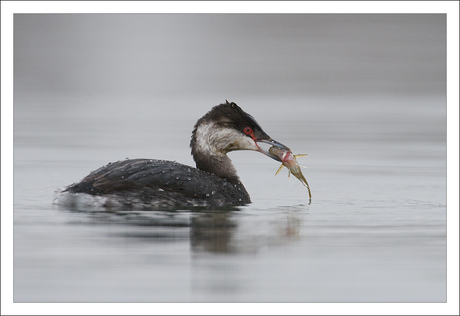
375	231
355	93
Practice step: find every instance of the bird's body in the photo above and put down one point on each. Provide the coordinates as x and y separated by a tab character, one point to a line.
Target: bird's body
152	184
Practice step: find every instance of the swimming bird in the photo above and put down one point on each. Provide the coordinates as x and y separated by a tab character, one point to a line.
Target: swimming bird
152	183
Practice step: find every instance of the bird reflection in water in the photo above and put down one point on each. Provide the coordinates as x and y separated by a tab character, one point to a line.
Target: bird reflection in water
211	231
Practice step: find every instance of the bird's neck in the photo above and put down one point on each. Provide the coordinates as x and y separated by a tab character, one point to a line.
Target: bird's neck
209	154
220	166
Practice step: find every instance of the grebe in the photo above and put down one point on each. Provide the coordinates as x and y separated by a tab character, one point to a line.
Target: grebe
151	183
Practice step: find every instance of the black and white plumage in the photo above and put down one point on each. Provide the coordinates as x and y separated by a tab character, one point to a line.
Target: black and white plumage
151	183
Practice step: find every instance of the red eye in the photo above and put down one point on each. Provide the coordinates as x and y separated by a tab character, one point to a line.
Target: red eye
248	131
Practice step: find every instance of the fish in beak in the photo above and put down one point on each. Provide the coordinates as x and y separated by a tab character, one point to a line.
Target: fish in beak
264	146
289	161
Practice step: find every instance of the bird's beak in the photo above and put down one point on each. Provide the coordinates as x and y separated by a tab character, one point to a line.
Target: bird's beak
264	146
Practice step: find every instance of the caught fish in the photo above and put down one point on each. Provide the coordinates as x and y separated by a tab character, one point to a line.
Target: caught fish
289	161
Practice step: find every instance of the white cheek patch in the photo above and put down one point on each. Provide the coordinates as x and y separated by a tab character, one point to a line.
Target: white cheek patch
220	140
203	135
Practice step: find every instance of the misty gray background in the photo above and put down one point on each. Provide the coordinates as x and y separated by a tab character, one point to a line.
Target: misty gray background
362	95
229	55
